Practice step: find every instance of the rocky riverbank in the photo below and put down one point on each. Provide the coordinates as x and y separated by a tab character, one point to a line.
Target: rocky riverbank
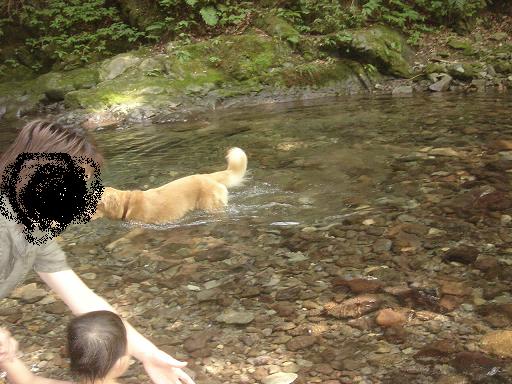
269	62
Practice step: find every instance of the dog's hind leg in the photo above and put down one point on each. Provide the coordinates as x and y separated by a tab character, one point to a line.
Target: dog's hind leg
214	197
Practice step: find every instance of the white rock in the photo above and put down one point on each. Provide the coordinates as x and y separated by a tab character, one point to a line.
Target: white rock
280	378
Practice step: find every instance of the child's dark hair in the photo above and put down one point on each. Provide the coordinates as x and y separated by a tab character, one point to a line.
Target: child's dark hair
96	341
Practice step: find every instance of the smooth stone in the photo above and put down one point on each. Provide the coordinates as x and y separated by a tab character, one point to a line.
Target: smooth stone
235	317
280	378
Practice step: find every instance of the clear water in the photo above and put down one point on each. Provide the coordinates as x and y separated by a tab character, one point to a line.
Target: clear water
310	164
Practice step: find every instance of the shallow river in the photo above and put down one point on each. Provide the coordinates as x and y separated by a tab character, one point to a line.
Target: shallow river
401	203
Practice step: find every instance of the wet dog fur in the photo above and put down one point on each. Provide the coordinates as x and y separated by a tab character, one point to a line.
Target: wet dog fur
174	200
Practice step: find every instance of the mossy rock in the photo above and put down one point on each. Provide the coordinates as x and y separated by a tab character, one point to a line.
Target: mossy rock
318	73
464	71
378	45
55	85
277	27
503	67
117	65
463	45
435	68
17	73
240	57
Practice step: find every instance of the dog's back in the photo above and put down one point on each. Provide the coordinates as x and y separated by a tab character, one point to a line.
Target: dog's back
235	172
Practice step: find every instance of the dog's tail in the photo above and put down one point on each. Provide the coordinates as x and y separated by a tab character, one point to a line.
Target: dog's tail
237	165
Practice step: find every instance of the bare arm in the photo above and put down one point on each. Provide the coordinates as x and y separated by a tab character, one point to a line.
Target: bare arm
162	368
18	373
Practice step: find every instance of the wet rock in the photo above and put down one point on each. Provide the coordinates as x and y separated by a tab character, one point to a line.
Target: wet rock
498	343
389	318
462	254
209	294
420	298
29	293
231	316
284	309
455	288
453	379
498	315
402	90
501	145
359	285
441	85
448	152
474	363
198	340
352	308
382	245
301	342
280	378
57	308
438	348
289	294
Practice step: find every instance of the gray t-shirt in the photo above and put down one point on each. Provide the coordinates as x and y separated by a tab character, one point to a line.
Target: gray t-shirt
18	256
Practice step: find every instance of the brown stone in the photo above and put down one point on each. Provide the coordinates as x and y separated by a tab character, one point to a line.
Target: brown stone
389	318
474	362
498	343
359	285
455	288
501	145
300	342
463	254
449	302
354	307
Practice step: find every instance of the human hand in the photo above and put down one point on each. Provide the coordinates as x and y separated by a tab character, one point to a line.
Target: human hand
163	369
8	346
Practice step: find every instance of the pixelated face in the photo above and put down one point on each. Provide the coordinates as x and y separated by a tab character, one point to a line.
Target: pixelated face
49	191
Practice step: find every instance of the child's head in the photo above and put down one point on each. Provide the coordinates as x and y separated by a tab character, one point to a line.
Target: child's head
50	175
97	346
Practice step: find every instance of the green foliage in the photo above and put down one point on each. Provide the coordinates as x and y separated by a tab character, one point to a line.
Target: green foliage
72	31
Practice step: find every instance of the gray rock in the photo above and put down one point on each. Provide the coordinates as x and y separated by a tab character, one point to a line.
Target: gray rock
441	85
209	294
231	316
116	66
29	293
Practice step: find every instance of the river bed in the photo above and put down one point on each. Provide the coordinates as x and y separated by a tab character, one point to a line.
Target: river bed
370	243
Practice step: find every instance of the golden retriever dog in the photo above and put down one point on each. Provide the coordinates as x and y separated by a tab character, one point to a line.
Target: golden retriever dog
174	200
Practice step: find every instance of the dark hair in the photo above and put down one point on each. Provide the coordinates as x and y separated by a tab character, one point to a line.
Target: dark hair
96	341
43	136
43	175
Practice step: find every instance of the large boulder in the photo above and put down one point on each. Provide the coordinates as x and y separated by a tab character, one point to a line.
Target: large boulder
379	45
55	85
110	69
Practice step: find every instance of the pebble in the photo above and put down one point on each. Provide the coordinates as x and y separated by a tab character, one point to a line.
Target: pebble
390	318
235	317
280	378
